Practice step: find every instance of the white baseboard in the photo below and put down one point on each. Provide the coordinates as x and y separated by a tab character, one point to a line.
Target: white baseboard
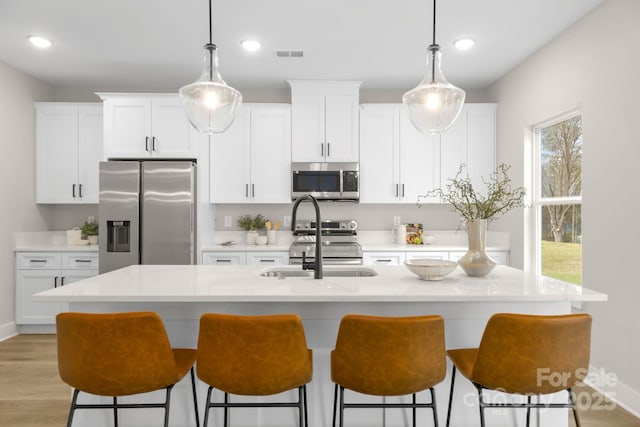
608	384
8	330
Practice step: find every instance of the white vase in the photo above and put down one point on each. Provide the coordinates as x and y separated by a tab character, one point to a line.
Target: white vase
251	237
93	240
476	262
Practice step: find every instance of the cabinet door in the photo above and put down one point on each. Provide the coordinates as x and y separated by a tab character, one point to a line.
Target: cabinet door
419	162
90	152
29	282
308	128
341	128
172	136
383	258
379	153
127	130
230	161
271	154
268	258
428	254
70	276
224	258
56	154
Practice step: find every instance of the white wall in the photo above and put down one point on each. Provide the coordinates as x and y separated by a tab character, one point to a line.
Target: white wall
17	178
594	65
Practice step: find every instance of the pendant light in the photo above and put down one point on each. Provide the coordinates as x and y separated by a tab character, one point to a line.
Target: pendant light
434	105
209	103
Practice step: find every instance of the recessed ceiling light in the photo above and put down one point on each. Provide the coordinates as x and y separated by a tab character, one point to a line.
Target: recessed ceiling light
40	42
250	45
464	44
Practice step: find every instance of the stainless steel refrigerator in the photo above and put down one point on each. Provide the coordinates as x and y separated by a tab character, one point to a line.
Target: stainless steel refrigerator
147	213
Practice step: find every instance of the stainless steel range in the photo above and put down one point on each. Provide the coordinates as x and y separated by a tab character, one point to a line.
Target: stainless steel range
339	242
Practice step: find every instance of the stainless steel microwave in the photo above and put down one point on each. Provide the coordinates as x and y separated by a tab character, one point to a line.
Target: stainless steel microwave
326	181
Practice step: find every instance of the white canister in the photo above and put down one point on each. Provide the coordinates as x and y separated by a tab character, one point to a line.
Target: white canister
73	236
399	234
272	237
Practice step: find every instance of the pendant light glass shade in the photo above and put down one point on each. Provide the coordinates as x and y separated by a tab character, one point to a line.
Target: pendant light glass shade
209	103
434	105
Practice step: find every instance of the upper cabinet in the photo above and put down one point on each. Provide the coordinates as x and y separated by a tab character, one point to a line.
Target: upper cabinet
251	161
68	150
147	126
397	163
324	121
472	141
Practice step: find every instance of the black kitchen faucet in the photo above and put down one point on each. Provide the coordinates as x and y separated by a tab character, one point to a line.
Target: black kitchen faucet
316	265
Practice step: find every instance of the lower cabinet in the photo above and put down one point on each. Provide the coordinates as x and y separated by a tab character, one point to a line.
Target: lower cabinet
399	257
248	257
41	271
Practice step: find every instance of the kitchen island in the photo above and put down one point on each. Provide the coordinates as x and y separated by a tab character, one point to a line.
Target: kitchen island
181	294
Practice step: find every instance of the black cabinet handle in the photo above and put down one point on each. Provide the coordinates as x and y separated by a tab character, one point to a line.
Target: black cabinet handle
397	190
146	143
82	260
37	260
223	260
62	281
246	191
153	143
268	260
73	190
253	190
328	149
322	150
80	190
55	282
402	190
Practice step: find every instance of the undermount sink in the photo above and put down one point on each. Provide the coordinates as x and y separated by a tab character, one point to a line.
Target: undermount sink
284	272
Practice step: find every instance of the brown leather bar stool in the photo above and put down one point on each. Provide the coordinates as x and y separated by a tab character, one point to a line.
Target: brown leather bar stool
120	354
388	356
528	355
254	356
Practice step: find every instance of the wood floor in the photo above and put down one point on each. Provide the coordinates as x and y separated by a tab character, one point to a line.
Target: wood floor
32	394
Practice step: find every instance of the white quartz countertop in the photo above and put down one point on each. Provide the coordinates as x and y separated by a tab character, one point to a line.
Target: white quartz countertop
208	283
47	241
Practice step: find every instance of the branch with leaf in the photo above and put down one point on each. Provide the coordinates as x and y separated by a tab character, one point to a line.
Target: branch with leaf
471	204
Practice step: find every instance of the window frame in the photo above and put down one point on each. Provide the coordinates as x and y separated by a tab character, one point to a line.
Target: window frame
536	202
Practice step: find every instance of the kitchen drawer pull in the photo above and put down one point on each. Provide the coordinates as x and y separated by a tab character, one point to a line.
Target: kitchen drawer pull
267	260
82	260
223	260
383	260
73	190
37	260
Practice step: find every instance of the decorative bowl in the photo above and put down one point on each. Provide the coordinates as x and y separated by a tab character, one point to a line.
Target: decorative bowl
430	269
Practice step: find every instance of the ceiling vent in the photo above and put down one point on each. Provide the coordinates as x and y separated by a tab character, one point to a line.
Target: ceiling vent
289	53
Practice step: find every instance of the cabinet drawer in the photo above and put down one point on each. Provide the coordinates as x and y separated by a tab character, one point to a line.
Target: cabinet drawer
429	255
79	260
37	260
268	258
223	258
383	258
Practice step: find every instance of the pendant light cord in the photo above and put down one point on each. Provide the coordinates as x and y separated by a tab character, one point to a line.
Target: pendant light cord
210	43
211	26
434	21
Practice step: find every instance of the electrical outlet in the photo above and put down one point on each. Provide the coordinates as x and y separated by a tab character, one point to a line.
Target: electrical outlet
396	220
227	221
287	221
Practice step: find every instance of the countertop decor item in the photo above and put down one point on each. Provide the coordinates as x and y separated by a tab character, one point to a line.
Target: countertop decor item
252	225
210	103
430	269
90	229
435	104
477	209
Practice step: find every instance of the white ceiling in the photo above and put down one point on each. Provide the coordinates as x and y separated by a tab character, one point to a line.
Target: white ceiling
144	45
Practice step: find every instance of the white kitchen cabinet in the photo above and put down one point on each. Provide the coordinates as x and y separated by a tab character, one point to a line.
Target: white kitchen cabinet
223	258
68	151
267	258
324	121
427	254
40	271
251	161
383	258
147	126
397	163
472	141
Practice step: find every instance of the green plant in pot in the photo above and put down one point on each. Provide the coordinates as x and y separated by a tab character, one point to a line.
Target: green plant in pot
90	229
251	225
477	209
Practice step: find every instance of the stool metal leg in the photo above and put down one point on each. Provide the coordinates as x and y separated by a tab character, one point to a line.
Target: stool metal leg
300	408
341	406
480	405
167	406
528	409
433	403
453	381
573	407
413	410
207	407
195	397
306	411
73	407
335	403
226	410
115	411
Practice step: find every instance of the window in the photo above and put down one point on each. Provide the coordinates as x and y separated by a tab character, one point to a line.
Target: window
557	198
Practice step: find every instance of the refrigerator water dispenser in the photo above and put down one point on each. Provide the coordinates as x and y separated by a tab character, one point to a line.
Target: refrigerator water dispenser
118	236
